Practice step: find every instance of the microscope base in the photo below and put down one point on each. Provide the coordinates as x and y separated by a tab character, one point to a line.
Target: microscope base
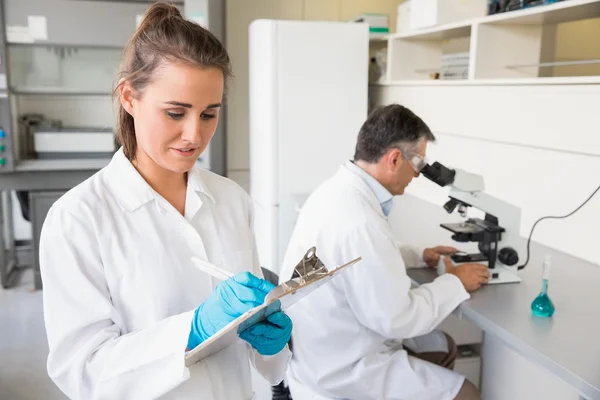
504	275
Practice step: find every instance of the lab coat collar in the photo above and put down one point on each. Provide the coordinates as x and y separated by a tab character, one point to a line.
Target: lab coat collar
350	177
384	197
132	191
196	190
198	185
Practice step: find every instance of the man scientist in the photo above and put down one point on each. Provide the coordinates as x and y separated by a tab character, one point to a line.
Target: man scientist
368	334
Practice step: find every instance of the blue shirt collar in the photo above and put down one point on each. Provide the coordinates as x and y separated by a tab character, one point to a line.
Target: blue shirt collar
384	197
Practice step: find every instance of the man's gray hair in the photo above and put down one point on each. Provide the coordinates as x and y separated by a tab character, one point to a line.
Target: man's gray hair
388	127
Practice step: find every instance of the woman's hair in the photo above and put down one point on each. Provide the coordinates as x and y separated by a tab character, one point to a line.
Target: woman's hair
164	36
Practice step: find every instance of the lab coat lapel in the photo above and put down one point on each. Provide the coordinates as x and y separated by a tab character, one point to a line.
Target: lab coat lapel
198	195
183	226
199	211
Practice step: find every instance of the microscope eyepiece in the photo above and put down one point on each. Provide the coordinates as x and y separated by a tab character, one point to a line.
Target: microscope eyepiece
439	174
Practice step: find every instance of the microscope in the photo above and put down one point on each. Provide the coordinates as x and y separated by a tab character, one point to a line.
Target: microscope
497	234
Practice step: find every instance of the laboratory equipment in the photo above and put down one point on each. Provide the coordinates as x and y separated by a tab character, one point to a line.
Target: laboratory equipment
308	100
73	143
499	245
499	6
542	305
28	123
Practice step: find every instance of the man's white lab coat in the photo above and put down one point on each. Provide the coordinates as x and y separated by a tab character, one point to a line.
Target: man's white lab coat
347	337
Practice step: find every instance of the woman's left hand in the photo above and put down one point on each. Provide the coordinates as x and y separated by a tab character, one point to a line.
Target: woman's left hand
269	337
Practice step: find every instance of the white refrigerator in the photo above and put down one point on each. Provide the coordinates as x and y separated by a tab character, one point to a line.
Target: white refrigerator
308	100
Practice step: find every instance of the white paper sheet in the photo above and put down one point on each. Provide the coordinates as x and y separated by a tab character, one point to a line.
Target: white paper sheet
38	27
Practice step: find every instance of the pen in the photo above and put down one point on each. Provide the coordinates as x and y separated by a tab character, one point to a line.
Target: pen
211	269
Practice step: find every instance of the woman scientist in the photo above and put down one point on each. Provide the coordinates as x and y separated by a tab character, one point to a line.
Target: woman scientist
122	299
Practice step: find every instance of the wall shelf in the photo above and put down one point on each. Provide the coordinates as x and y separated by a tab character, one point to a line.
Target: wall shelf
496	48
47	90
62	165
565	11
575	80
442	32
379	38
431	82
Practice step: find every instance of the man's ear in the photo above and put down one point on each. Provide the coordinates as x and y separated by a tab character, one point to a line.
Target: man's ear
127	96
393	159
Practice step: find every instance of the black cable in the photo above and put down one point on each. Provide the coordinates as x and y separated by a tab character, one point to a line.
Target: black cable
554	217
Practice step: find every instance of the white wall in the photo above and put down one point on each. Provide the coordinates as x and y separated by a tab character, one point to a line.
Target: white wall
239	15
536	146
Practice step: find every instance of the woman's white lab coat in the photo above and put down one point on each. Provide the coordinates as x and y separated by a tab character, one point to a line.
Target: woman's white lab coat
120	289
347	336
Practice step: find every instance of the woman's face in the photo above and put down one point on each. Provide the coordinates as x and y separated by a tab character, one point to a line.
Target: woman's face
176	114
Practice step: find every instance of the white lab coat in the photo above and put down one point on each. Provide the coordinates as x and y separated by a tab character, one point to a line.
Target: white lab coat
120	290
347	338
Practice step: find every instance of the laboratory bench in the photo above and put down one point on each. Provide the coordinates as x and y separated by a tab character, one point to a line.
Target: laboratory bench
46	181
523	355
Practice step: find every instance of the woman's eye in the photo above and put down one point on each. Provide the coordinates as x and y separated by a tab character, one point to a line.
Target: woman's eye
175	116
206	117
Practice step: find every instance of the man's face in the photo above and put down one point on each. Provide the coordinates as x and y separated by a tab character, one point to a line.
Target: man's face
407	168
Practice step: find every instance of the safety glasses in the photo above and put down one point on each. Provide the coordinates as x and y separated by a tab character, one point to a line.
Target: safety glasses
417	161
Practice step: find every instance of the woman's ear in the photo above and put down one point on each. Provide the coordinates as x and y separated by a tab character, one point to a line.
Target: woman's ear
127	96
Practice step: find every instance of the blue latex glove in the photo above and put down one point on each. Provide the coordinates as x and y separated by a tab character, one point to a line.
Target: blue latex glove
269	337
229	300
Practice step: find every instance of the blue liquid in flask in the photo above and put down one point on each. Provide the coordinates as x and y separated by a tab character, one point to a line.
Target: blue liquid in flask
542	305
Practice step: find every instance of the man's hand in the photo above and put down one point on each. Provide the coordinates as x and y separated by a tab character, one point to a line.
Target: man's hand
472	275
432	256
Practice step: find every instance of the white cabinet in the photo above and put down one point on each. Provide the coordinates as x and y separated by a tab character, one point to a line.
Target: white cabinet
556	43
76	23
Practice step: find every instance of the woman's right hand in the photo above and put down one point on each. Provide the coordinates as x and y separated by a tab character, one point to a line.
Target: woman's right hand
229	300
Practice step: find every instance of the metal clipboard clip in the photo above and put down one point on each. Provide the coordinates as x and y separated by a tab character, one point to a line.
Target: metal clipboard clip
309	272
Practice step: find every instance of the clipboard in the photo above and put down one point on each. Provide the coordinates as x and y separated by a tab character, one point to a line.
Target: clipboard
309	275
